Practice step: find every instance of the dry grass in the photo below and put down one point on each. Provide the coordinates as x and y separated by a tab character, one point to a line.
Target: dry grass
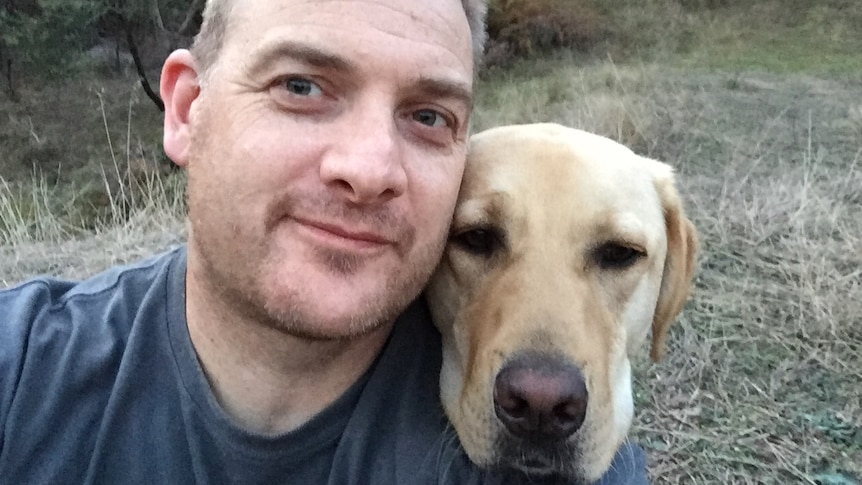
764	381
143	214
143	235
72	217
40	242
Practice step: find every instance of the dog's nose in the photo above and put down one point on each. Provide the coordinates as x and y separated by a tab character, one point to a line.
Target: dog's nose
540	397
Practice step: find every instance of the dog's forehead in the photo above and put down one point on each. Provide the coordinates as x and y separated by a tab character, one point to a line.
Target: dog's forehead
562	169
504	156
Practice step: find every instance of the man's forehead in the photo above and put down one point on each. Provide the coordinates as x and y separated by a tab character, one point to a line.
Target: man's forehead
418	35
447	15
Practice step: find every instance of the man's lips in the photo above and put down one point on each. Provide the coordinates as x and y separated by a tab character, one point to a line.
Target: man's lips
355	235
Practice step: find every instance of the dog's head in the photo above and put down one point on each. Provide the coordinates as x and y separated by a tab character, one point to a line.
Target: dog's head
566	249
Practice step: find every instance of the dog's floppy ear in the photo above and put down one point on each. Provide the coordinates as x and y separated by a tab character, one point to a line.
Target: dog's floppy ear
679	264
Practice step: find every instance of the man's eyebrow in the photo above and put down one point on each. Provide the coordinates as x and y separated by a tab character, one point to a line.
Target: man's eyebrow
314	56
444	88
300	52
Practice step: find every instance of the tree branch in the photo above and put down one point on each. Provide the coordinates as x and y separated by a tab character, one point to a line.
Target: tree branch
139	66
186	27
157	16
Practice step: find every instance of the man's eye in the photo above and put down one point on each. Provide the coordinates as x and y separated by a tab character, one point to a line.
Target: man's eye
302	87
429	117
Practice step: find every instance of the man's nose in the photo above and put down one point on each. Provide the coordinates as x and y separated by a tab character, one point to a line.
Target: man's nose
366	162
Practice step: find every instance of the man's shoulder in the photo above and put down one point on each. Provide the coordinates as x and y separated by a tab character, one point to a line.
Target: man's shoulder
72	355
46	320
45	293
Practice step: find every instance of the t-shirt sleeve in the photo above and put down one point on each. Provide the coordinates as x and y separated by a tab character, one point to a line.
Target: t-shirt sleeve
19	308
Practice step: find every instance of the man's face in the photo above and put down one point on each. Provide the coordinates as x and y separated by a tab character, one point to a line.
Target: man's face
325	156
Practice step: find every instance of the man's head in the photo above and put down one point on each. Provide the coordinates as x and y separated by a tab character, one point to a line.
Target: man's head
216	15
324	153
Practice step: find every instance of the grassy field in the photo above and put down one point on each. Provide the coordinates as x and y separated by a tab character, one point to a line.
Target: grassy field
760	111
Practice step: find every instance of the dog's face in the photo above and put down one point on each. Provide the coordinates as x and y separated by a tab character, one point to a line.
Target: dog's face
566	249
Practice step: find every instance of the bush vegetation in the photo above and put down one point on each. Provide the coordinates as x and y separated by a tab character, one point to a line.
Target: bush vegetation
790	35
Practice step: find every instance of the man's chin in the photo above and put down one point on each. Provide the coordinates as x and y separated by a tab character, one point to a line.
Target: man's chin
315	317
319	328
334	333
341	303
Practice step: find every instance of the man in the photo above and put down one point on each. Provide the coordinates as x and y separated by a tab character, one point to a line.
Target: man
324	143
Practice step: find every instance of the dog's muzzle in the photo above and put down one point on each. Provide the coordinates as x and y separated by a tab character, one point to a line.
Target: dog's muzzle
541	401
540	398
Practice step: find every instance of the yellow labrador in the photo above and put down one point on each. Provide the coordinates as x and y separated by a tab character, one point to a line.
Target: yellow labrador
566	249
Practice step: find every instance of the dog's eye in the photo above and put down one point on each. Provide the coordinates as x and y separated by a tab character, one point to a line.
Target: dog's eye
482	241
617	256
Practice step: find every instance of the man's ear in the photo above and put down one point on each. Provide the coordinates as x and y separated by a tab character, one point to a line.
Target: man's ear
179	88
679	264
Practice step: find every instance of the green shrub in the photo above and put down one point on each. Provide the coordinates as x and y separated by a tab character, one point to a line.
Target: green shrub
49	43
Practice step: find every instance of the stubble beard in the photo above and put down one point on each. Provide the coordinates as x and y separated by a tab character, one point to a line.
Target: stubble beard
240	277
287	313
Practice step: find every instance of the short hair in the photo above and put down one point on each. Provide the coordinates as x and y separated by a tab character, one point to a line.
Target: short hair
208	42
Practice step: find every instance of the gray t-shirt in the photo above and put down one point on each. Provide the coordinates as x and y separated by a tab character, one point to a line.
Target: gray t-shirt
100	384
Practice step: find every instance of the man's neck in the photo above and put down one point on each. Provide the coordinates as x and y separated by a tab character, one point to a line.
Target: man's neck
267	380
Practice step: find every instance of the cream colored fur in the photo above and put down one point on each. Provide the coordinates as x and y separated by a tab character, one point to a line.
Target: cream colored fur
554	196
